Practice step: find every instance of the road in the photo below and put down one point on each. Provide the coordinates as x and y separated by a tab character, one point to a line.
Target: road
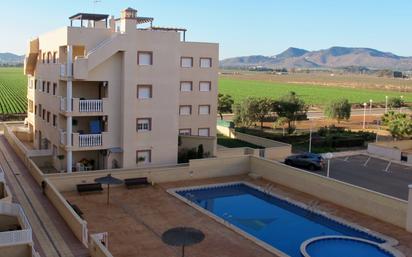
355	112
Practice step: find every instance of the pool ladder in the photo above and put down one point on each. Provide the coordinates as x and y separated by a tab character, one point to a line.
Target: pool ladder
268	188
312	205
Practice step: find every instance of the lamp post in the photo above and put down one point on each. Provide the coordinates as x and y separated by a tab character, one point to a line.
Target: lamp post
310	139
400	107
370	107
386	104
364	115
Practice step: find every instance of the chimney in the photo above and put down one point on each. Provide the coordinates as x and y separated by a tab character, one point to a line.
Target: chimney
128	20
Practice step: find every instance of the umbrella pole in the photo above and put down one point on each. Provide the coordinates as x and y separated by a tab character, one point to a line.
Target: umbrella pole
183	250
108	192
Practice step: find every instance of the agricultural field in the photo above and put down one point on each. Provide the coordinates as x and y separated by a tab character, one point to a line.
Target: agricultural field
13	91
240	87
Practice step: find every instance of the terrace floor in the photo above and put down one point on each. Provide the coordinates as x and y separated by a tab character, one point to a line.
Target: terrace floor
136	219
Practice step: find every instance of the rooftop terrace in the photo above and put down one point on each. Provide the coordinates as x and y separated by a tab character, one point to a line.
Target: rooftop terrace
136	219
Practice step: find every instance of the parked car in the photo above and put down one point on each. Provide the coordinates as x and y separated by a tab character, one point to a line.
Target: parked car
308	161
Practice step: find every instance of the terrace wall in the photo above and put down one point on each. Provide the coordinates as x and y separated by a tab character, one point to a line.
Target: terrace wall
391	150
383	207
274	150
76	224
196	169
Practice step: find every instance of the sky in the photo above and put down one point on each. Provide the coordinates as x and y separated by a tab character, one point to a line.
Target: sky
241	27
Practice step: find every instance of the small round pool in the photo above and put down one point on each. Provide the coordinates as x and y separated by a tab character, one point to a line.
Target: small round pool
342	246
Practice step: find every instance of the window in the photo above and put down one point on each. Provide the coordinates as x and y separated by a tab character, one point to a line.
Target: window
54	120
48	87
30	106
203	132
35	84
44	114
144	124
44	58
48	57
144	91
48	116
35	109
40	109
54	88
143	156
205	86
186	62
204	109
205	62
186	86
144	58
185	132
185	110
54	57
43	86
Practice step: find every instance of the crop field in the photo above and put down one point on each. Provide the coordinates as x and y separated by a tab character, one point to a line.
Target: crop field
240	88
13	91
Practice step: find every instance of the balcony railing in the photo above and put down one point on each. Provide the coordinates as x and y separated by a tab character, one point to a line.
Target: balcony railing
90	140
90	106
19	236
63	104
62	137
62	70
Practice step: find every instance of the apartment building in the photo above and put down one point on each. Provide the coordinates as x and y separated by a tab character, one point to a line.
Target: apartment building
116	93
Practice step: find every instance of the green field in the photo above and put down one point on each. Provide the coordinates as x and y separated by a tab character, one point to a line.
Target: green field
312	94
13	91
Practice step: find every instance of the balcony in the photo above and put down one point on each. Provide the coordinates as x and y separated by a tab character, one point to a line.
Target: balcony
86	141
16	229
89	140
85	107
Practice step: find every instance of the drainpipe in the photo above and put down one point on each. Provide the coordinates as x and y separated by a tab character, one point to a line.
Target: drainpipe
409	211
69	89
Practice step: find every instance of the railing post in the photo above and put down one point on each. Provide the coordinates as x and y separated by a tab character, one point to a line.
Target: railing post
409	211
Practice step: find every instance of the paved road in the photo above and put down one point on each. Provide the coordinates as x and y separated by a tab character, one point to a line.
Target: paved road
355	112
373	176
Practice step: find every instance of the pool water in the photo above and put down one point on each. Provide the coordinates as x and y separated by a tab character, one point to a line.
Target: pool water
277	222
337	247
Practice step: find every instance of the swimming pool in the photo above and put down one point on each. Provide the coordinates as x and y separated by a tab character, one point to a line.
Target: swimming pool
279	223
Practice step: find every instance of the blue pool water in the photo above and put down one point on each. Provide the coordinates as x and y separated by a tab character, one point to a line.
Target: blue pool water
277	222
343	248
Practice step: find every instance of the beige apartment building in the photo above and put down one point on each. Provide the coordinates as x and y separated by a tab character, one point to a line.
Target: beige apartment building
115	93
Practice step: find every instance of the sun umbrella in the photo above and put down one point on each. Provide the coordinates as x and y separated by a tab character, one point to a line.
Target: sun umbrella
108	180
182	236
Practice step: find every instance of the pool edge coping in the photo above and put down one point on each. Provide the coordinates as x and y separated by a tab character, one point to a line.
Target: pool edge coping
390	241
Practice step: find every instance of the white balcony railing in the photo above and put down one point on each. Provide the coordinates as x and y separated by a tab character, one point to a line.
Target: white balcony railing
90	106
90	140
18	236
62	137
62	70
63	104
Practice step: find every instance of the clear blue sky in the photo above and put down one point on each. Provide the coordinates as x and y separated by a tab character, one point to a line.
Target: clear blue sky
241	27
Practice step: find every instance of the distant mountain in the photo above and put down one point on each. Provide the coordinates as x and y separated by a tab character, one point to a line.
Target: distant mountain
9	58
334	57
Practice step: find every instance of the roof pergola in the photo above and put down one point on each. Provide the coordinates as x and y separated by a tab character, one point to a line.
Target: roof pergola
88	17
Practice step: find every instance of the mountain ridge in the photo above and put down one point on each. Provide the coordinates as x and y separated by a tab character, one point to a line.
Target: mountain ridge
333	57
10	58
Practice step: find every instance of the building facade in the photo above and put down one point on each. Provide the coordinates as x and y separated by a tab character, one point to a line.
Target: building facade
110	94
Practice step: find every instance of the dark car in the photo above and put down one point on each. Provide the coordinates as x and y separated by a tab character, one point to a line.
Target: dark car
308	161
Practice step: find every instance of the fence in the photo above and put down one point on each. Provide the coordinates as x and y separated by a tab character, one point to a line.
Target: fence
19	236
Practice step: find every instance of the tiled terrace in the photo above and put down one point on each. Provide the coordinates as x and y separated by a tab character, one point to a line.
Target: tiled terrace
136	218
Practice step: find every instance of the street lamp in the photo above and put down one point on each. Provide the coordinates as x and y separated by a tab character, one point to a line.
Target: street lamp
400	107
370	108
364	115
386	104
